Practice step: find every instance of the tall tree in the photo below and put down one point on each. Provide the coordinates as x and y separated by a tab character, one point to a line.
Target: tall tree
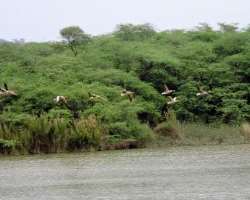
74	36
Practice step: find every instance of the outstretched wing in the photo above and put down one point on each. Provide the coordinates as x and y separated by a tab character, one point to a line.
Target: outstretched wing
201	88
5	86
166	87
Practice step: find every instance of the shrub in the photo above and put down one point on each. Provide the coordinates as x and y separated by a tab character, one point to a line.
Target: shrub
167	130
7	146
130	130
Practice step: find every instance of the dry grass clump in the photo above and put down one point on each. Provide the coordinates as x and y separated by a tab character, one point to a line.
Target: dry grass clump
245	131
86	133
197	134
200	133
166	129
169	128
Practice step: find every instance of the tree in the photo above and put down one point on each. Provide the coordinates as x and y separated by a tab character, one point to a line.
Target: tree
230	44
204	27
246	29
74	36
228	27
134	32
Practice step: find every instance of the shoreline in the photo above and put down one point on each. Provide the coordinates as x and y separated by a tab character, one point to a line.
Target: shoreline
156	144
166	134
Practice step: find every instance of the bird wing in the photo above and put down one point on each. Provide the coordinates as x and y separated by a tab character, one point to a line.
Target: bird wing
102	98
166	87
58	98
201	89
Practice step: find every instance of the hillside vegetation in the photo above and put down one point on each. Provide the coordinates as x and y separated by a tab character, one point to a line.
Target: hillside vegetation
133	57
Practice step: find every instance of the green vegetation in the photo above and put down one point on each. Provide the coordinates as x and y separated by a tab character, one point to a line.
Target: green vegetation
136	58
74	36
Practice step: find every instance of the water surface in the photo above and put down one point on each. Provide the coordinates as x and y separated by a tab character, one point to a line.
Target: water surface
208	172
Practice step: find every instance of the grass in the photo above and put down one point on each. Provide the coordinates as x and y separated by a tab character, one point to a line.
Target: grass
207	134
245	131
198	134
45	135
51	135
86	133
173	132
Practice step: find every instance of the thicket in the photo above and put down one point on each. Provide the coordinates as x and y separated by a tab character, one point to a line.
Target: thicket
135	57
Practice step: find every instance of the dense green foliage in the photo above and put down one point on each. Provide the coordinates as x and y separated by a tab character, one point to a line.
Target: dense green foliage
135	57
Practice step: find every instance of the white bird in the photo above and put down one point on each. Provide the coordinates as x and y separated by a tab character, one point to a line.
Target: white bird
202	93
167	91
129	94
60	99
172	101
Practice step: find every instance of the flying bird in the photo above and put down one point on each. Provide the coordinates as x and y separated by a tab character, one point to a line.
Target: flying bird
95	97
129	94
167	91
61	99
71	106
5	92
201	92
172	100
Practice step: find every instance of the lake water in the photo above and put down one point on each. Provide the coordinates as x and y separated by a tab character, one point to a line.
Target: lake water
208	172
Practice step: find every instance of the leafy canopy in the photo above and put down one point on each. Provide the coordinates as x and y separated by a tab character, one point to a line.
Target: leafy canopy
74	36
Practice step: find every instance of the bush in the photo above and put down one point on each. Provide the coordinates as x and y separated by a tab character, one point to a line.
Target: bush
7	146
167	130
131	130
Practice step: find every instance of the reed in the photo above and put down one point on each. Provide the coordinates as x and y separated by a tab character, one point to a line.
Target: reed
86	133
198	133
